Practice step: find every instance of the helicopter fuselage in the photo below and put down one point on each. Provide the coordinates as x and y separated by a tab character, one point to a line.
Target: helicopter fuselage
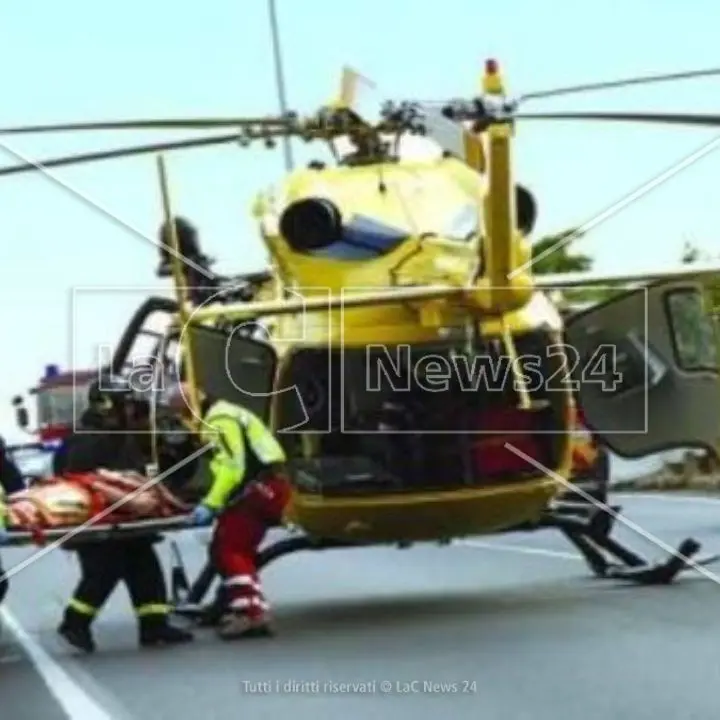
386	214
391	425
390	411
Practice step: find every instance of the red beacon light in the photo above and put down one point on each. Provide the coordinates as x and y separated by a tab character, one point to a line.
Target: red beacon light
492	83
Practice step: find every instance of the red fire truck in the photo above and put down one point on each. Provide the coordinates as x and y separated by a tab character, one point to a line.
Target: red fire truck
60	399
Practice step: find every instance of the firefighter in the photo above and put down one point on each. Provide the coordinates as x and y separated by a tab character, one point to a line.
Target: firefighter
110	444
248	495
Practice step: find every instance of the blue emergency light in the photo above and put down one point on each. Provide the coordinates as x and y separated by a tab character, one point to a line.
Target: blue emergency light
51	371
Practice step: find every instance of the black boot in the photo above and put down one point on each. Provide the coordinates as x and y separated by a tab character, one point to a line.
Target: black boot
75	629
159	631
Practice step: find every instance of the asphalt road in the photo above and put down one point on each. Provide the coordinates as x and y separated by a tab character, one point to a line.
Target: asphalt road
508	628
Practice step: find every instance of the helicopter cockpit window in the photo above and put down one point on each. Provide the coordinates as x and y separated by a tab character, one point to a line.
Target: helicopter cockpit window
464	224
173	368
693	331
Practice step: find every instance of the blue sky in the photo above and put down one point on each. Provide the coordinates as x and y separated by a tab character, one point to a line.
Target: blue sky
79	61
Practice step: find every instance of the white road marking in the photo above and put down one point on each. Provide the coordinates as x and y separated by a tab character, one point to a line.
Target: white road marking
70	696
529	550
665	497
616	515
522	549
8	659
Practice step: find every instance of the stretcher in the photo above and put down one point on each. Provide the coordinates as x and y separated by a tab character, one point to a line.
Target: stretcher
92	506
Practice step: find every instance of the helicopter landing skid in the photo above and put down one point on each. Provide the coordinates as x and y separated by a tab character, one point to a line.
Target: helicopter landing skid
587	528
187	600
591	536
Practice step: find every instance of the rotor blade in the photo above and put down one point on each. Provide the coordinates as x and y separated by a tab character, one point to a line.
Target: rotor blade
454	138
352	83
357	94
160	124
560	281
449	135
625	82
348	88
115	154
607	85
666	118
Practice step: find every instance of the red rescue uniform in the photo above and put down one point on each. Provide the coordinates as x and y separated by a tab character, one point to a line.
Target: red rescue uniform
249	492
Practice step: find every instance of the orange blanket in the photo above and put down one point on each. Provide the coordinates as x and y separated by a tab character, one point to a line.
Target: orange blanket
75	499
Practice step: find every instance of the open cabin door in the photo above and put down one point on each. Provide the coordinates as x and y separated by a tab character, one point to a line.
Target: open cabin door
235	368
646	365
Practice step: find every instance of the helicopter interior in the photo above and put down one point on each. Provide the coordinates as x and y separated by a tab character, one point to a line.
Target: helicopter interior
382	419
368	420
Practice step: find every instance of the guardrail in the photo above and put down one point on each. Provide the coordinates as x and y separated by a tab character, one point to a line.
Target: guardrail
691	473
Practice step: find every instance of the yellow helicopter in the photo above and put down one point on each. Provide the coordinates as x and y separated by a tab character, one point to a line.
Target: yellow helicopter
421	378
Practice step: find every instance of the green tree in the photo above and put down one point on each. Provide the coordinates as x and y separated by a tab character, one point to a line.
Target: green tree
553	254
692	254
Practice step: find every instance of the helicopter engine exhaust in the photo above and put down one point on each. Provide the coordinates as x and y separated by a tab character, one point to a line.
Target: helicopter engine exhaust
311	224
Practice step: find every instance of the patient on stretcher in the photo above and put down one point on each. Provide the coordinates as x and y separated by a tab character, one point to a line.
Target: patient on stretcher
75	499
68	500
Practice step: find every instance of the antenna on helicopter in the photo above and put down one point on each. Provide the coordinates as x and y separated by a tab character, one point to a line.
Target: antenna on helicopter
280	79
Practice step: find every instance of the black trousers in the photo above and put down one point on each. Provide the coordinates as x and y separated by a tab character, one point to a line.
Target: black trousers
106	564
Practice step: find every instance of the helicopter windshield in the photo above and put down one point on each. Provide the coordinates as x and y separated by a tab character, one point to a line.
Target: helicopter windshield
419	201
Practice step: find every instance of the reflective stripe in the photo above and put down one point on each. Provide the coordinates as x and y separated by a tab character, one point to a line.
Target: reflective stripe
239	580
243	581
244	603
265	490
152	609
82	607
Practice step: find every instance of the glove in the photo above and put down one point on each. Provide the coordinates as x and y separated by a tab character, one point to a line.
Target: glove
202	515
